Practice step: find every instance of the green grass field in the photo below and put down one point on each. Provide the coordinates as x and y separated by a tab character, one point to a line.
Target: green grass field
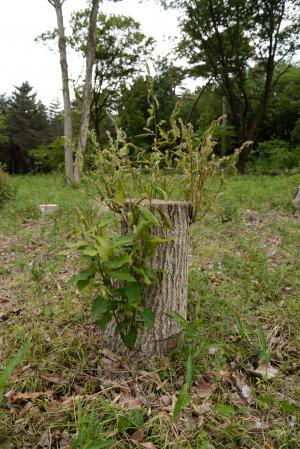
244	308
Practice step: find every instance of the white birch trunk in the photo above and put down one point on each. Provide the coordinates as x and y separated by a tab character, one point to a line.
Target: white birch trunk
87	93
66	93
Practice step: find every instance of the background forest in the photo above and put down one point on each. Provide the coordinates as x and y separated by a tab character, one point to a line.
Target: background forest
255	84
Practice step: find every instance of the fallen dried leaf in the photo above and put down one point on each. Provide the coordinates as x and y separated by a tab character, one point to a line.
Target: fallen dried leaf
21	371
57	380
24	410
203	389
138	436
45	439
226	375
201	409
267	370
23	397
148	445
65	442
166	400
129	401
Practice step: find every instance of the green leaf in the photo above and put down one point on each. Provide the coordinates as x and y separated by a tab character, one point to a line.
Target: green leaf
179	319
100	305
83	276
189	370
137	418
288	408
123	240
162	192
118	262
133	420
89	252
106	317
150	217
131	337
183	399
121	276
81	284
164	218
133	293
99	444
224	409
148	316
77	245
104	248
145	276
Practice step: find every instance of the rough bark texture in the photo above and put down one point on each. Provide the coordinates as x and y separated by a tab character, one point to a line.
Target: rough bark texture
170	295
87	93
66	93
296	199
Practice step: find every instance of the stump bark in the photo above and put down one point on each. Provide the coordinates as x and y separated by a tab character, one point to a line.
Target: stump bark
167	296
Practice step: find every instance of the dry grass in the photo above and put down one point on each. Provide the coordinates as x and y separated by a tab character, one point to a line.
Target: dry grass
244	280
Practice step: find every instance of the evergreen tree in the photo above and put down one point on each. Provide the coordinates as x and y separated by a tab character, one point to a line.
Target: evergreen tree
27	127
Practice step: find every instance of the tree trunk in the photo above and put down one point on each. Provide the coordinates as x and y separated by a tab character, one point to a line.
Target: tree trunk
170	294
224	124
87	94
66	93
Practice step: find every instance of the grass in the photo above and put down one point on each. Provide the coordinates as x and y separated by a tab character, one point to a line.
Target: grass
243	303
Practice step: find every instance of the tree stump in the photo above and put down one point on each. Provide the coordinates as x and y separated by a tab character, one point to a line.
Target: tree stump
296	199
167	296
48	209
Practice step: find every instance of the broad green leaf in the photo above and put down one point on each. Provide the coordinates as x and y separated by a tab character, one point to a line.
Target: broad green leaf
131	337
123	240
150	217
136	417
178	318
183	399
117	292
82	283
99	444
106	317
148	316
145	276
133	293
83	276
104	248
89	252
133	420
121	276
99	306
77	245
118	262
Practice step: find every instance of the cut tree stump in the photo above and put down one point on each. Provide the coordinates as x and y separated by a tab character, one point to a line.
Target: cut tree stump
167	296
48	209
296	199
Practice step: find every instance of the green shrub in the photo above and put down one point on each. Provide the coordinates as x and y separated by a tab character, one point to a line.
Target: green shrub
7	191
49	158
274	157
